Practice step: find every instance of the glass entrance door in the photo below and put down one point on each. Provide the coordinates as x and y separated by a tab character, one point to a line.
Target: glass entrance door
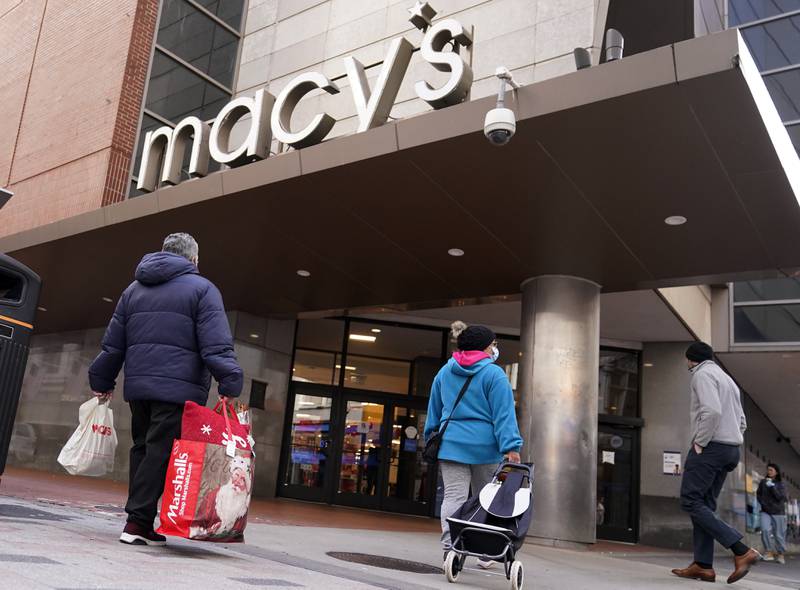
357	449
617	483
361	464
408	486
309	455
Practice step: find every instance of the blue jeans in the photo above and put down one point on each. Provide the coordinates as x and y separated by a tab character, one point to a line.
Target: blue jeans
703	477
773	532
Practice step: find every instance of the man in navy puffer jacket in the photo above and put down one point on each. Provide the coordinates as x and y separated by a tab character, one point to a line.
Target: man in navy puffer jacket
171	332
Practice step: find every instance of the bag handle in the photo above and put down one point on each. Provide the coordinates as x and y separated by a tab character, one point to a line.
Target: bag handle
227	420
455	405
222	407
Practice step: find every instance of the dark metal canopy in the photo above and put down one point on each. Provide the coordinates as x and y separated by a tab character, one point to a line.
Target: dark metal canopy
600	158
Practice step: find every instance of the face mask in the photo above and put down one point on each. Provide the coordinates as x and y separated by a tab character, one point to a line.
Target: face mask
495	354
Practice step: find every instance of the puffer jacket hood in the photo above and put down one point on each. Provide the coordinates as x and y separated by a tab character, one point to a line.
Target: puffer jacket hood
466	371
160	267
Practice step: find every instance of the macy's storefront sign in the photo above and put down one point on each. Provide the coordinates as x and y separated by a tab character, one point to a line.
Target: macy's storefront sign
269	117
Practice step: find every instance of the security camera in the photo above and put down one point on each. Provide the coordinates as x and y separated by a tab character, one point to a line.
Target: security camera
5	195
499	126
500	123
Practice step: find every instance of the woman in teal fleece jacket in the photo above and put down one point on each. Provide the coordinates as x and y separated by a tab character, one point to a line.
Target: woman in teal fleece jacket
483	428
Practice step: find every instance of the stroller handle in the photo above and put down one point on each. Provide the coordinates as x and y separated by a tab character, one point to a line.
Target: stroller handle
515	466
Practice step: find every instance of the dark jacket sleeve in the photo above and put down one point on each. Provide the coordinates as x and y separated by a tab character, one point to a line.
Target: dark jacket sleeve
106	366
760	493
216	343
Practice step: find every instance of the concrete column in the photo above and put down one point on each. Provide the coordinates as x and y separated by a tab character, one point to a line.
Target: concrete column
560	343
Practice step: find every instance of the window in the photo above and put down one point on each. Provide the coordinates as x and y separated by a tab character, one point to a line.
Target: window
618	391
784	87
774	44
767	290
763	324
746	11
794	134
199	40
229	11
176	92
386	358
193	67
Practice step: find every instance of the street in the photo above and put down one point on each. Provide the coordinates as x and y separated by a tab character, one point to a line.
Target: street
71	544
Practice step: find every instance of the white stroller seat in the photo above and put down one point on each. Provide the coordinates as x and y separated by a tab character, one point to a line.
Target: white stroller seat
502	500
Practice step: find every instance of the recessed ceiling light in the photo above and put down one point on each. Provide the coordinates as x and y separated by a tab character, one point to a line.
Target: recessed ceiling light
108	299
376	330
648	364
362	338
455	252
42	308
675	220
303	273
254	336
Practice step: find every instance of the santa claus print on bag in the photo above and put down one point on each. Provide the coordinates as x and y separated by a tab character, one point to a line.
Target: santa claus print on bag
223	510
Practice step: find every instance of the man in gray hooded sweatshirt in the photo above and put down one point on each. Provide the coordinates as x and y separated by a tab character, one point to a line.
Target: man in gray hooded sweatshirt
718	426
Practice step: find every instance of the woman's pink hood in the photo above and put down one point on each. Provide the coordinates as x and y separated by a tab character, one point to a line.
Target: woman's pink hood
469	357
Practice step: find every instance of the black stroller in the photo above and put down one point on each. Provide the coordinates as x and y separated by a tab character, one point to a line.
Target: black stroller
492	524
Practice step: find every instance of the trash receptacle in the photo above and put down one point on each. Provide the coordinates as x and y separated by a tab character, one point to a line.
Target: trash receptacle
19	297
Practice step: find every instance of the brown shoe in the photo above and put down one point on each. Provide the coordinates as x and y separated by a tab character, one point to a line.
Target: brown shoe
695	572
743	564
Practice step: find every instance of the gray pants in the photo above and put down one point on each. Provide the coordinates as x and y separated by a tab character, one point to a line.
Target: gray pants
773	532
457	478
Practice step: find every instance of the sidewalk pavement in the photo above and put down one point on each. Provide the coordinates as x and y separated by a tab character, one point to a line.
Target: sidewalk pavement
59	543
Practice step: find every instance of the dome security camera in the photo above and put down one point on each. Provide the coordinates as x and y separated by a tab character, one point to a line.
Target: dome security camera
500	123
499	126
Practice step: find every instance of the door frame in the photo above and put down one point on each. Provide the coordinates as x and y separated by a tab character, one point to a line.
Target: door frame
329	492
631	428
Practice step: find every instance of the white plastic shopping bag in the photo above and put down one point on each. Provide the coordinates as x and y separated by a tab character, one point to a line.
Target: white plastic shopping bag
90	449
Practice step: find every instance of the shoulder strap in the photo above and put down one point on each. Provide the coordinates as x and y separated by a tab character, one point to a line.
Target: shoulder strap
455	405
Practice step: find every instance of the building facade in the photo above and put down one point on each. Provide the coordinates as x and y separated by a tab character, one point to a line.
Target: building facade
344	261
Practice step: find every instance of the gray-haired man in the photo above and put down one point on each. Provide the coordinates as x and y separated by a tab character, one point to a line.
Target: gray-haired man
171	332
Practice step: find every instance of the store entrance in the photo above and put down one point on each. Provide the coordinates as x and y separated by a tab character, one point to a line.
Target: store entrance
617	483
356	449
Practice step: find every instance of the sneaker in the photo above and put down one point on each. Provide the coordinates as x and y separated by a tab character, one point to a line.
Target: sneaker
768	556
135	534
781	559
486	564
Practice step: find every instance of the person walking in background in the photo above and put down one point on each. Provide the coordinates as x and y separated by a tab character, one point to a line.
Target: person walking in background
718	425
171	332
483	427
772	497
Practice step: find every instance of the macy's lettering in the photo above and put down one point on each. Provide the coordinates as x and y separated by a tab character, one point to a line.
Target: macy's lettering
180	486
102	430
270	117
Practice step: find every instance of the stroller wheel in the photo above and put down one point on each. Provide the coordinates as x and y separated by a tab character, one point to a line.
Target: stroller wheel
452	567
517	576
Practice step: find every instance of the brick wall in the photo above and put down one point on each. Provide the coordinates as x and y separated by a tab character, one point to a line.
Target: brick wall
77	74
127	125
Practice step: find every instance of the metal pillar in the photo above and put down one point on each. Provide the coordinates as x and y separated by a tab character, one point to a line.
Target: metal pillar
560	342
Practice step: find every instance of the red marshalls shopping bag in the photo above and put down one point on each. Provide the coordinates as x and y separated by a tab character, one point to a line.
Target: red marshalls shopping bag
207	491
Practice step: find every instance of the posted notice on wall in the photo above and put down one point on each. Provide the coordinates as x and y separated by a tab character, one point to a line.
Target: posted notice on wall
672	463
